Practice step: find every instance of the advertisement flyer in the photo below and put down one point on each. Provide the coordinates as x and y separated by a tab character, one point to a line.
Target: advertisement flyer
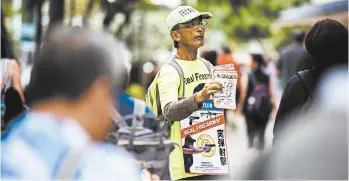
203	141
226	98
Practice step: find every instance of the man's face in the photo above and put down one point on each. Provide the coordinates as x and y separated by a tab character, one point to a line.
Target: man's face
190	34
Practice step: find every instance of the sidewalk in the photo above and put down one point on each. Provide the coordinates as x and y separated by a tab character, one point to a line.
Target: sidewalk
237	143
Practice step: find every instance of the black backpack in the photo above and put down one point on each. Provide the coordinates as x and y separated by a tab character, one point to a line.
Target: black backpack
259	103
11	102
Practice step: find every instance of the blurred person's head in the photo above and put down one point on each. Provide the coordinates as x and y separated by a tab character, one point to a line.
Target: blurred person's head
226	50
187	26
211	56
258	61
327	43
77	74
298	36
189	141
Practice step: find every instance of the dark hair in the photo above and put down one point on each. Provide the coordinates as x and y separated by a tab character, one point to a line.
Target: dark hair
211	56
226	50
175	43
259	59
327	43
298	35
70	61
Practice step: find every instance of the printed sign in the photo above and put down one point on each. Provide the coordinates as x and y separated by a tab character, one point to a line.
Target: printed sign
203	141
227	76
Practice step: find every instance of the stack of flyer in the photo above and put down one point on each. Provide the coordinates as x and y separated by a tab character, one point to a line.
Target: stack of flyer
227	76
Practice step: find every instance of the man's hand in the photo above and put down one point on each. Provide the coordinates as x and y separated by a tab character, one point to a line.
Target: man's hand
207	91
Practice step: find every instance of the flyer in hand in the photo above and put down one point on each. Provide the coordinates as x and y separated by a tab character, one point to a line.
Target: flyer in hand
227	76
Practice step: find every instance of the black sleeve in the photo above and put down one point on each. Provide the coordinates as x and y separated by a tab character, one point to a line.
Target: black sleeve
293	97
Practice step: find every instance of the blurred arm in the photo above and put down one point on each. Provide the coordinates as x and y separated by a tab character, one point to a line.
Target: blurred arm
16	79
243	94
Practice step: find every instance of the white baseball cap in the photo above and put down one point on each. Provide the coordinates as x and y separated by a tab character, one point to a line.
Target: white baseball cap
183	14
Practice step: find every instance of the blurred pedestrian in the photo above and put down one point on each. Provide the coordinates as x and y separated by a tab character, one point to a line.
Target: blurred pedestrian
149	77
226	58
12	97
256	102
327	43
293	58
128	104
72	90
135	87
316	146
210	56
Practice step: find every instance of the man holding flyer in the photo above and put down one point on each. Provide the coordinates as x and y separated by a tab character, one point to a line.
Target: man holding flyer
183	89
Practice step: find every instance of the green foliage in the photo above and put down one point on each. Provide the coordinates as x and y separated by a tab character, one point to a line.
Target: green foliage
6	6
146	5
252	21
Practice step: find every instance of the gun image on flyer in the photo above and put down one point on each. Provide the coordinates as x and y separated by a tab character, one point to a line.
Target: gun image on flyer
210	145
191	118
209	114
207	147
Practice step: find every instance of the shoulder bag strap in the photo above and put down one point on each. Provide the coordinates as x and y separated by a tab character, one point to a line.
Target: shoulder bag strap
303	76
175	65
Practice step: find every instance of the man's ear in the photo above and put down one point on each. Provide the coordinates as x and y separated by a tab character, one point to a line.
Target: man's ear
98	89
175	35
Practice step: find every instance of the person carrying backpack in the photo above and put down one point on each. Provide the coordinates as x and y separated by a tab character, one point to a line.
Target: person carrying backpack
327	43
74	81
256	101
138	131
171	96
